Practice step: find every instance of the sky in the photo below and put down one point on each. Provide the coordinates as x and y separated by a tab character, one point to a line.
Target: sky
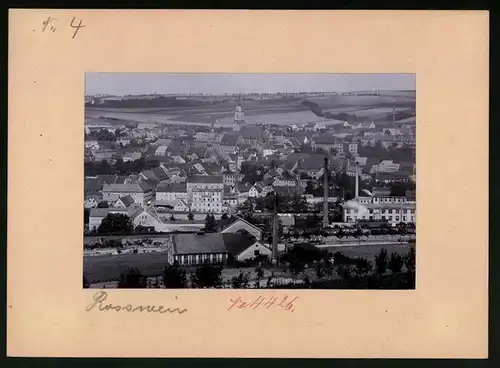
168	83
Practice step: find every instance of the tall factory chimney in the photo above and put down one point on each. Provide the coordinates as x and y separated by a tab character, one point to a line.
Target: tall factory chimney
275	230
325	194
356	193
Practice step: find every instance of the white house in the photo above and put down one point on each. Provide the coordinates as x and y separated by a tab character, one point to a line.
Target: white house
124	141
131	156
255	191
388	166
124	202
249	251
394	213
241	224
319	126
171	192
199	182
92	144
207	200
92	201
161	150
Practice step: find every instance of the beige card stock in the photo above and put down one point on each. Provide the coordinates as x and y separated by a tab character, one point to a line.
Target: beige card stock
446	316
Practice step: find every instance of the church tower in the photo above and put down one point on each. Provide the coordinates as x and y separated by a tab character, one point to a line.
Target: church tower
239	118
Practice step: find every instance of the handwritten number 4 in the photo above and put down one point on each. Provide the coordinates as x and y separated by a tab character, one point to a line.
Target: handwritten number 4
76	26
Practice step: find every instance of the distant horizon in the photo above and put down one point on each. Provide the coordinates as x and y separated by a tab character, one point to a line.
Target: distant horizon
121	84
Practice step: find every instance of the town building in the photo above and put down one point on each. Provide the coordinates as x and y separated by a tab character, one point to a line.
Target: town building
215	248
239	116
378	206
124	202
142	193
199	182
237	224
207	200
171	192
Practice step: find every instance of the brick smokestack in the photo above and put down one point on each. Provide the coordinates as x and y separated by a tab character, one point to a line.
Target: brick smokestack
275	230
356	193
325	194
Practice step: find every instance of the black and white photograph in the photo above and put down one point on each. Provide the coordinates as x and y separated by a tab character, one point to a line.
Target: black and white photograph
249	181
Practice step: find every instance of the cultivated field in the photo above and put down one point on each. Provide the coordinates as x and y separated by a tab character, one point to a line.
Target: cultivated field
280	111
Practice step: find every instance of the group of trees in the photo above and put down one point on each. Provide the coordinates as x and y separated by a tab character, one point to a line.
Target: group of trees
210	224
379	152
385	272
175	277
119	168
105	135
116	223
252	172
285	204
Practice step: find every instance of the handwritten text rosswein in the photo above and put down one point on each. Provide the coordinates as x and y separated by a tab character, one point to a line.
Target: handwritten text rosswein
101	296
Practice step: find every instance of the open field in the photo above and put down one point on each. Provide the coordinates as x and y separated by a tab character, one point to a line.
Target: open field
280	111
107	268
334	102
377	111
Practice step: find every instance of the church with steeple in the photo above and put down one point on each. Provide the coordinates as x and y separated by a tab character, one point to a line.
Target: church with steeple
239	118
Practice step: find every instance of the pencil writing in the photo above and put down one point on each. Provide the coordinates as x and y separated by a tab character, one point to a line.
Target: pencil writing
101	296
264	303
50	24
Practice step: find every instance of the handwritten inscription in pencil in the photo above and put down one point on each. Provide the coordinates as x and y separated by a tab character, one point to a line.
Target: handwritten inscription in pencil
285	303
101	296
52	24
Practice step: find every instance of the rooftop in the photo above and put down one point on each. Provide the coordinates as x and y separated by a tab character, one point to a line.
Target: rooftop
207	179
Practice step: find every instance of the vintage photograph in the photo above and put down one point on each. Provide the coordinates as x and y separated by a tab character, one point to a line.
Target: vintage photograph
272	181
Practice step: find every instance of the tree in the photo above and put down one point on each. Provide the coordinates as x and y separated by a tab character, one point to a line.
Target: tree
402	229
395	263
86	283
207	276
133	279
410	260
259	271
269	282
174	277
296	265
363	266
240	281
210	223
116	223
312	221
340	233
309	187
245	208
103	204
381	262
298	204
344	271
190	216
224	216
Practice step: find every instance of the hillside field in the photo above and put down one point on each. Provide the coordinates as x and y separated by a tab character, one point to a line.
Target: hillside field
279	111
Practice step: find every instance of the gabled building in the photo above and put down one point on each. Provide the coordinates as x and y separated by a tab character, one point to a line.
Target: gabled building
142	193
124	202
239	224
